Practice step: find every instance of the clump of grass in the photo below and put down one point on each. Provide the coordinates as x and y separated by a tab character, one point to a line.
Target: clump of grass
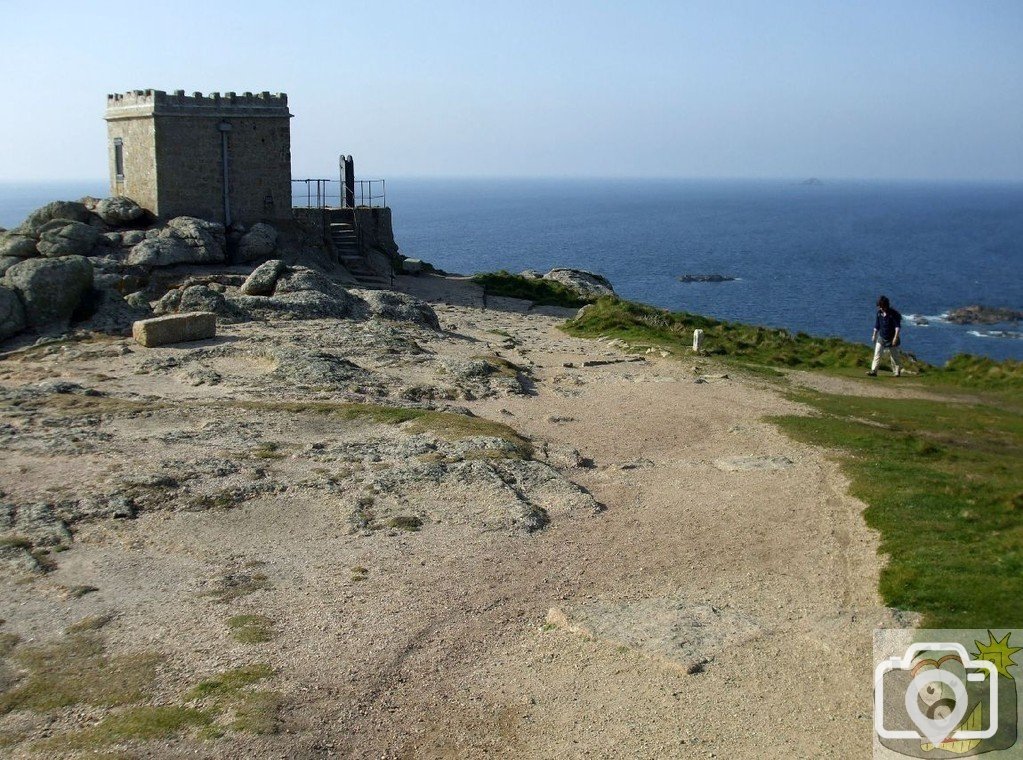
77	670
223	499
15	542
230	682
539	291
8	641
136	723
257	712
267	450
930	459
236	585
79	591
251	629
359	573
409	523
90	623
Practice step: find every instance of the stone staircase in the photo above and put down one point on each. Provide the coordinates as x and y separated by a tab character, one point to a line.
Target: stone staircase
346	244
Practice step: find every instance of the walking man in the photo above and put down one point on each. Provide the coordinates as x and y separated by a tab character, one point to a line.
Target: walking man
887	326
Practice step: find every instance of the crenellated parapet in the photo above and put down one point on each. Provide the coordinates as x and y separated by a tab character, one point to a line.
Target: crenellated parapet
137	103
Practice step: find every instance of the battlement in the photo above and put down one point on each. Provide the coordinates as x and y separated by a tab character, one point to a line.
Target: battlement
157	102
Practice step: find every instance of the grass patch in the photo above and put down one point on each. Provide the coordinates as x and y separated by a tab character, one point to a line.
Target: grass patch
409	523
942	481
15	542
136	723
229	683
76	670
267	450
7	642
90	623
257	712
236	585
501	366
766	349
359	573
540	292
251	629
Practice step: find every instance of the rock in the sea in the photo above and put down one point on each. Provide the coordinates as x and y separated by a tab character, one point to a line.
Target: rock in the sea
400	307
185	240
71	210
263	278
984	315
705	278
12	313
257	243
18	246
175	328
583	282
50	289
62	237
118	210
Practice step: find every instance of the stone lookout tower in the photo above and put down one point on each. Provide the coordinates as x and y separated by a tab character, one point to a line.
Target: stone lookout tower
221	157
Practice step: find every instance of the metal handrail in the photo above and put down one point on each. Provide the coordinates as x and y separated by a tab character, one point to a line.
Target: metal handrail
318	195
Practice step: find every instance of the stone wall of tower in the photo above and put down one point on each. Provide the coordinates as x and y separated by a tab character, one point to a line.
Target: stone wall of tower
180	170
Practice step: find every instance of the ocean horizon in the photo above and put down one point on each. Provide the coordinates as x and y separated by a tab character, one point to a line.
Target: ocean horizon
807	257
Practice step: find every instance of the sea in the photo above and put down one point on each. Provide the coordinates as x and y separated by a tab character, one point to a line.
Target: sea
809	257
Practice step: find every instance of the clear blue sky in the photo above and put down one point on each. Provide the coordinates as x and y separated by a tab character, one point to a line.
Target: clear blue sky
913	89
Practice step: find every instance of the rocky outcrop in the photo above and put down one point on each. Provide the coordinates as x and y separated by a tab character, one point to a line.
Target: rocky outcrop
62	237
585	283
118	211
258	243
17	246
263	279
73	211
983	315
705	278
12	313
185	240
50	289
399	307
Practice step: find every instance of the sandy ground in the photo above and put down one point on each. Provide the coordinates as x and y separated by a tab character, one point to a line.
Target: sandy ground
720	605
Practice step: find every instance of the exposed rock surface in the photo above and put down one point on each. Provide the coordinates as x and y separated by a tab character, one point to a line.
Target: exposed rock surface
50	289
185	240
61	237
400	307
118	210
12	313
71	210
704	278
18	246
263	279
984	315
583	282
258	243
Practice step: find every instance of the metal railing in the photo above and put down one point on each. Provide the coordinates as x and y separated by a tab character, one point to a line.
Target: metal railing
328	193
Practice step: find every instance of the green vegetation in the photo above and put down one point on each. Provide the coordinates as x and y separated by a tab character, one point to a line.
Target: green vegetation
76	670
941	477
942	481
230	682
145	723
257	712
90	623
540	292
236	585
765	347
500	366
251	629
409	523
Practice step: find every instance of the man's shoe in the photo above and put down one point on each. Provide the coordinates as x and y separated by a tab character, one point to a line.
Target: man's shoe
872	372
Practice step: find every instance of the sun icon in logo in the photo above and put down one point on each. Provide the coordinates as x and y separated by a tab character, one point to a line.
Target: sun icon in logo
998	653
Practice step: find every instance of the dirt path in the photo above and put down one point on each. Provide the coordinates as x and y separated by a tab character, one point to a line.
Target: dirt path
724	549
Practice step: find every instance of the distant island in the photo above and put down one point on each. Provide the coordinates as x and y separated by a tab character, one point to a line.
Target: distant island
811	181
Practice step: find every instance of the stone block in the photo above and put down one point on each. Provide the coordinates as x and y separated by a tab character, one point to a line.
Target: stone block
175	328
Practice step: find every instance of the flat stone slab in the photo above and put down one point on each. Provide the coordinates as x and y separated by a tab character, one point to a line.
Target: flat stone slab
735	464
680	633
175	328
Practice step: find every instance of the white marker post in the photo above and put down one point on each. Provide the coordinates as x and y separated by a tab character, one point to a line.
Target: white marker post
697	340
